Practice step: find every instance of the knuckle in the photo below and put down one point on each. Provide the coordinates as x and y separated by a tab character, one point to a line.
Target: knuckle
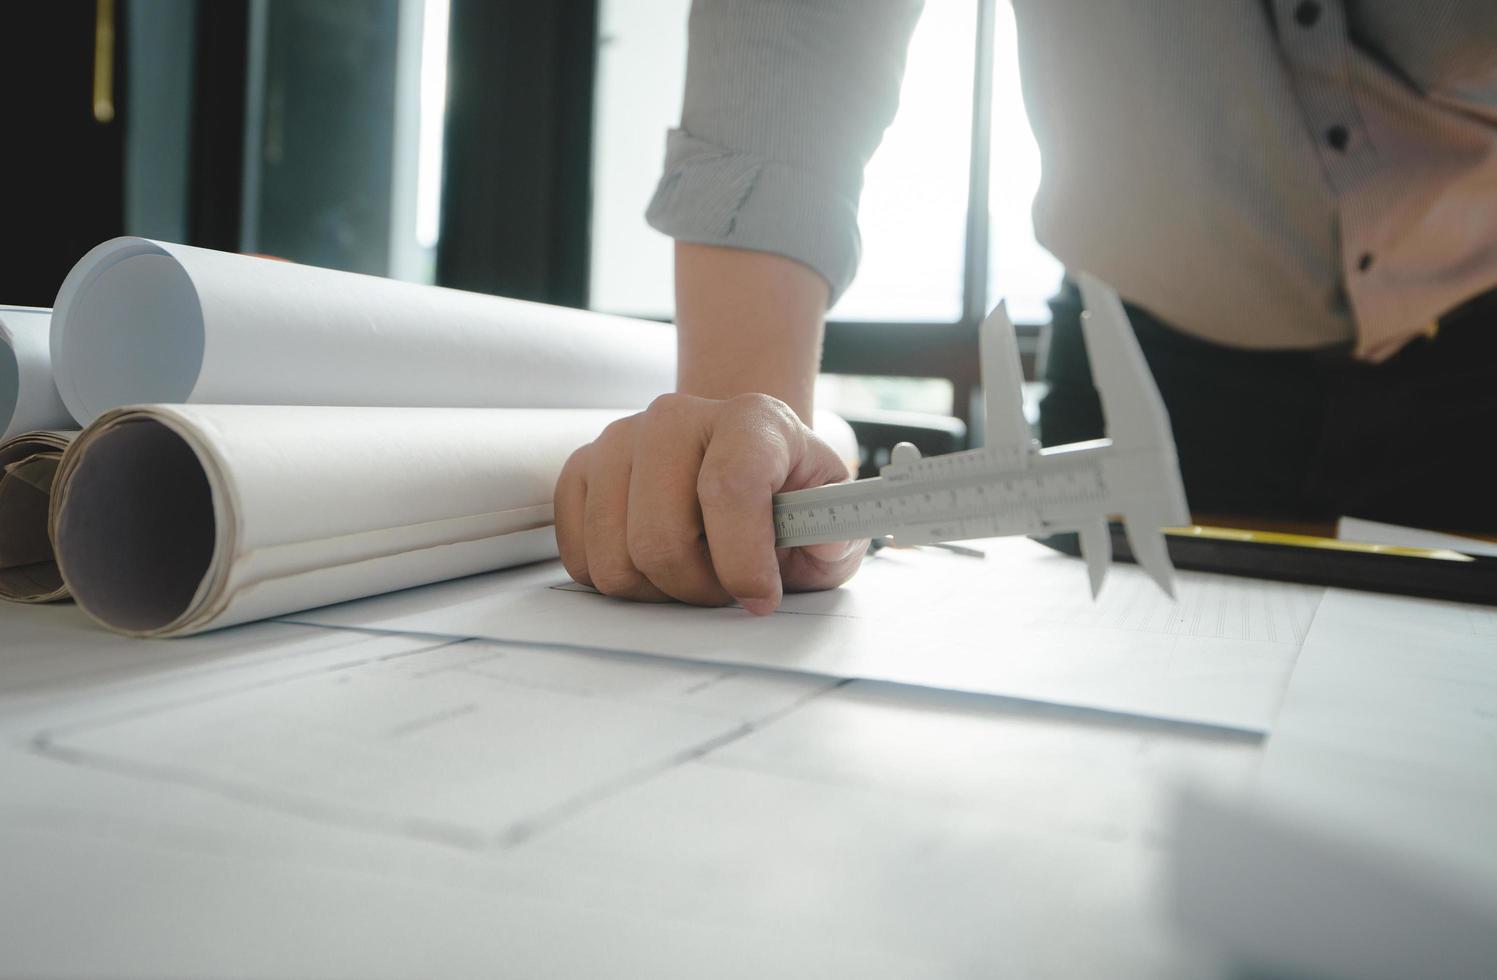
618	431
575	465
755	403
727	485
668	404
766	420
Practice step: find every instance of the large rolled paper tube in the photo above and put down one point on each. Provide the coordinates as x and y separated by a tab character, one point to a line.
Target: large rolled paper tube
28	396
141	321
28	468
174	519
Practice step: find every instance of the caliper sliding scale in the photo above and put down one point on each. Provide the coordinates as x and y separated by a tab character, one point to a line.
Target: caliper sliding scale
1011	485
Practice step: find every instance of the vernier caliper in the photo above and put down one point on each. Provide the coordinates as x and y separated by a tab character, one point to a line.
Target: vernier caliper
1011	485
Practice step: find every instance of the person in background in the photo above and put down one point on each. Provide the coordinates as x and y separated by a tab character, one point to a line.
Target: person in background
1296	198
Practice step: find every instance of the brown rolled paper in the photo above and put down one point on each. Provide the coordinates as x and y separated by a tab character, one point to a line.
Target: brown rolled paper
28	567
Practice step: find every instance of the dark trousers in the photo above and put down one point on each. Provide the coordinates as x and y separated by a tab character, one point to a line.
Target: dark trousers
1311	435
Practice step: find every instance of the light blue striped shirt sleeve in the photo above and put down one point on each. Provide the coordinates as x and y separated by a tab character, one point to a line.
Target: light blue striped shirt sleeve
1272	175
786	100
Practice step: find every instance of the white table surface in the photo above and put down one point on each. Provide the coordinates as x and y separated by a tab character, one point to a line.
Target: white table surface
296	801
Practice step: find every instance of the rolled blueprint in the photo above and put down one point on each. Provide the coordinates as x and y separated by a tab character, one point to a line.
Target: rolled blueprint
28	398
140	321
28	466
174	519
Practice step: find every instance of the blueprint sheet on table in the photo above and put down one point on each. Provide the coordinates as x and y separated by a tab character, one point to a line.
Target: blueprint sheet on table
1018	623
289	801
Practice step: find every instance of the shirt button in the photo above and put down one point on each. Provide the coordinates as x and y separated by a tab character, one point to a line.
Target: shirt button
1365	262
1306	13
1338	136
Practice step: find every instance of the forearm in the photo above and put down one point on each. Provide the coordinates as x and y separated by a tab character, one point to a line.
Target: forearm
784	104
748	322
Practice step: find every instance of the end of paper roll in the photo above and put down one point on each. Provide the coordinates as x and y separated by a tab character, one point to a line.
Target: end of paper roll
28	567
133	524
28	396
127	328
10	382
170	520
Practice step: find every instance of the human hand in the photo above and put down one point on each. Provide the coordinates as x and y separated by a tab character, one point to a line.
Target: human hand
674	503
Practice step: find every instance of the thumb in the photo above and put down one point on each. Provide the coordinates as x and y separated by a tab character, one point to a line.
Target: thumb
827	565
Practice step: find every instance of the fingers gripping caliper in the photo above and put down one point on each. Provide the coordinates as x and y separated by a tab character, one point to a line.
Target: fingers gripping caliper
1011	485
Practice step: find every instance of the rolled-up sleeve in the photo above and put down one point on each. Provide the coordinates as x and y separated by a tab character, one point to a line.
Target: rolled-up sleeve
785	102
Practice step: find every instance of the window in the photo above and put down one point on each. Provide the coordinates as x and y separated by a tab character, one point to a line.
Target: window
482	146
344	134
1019	268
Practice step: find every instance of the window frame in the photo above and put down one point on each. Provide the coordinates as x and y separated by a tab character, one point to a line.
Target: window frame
944	349
521	228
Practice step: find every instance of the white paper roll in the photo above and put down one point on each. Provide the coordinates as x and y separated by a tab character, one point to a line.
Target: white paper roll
28	398
28	568
174	519
141	321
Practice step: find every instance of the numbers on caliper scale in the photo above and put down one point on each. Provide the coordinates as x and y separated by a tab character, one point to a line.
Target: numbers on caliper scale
956	503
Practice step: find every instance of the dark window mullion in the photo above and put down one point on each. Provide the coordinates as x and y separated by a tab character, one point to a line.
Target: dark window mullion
975	256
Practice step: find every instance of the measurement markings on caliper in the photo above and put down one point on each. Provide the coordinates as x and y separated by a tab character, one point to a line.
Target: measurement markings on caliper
870	508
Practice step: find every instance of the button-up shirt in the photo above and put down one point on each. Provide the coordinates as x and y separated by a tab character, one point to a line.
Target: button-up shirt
1260	173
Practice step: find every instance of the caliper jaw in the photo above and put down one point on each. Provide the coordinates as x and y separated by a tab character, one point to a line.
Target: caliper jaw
1011	486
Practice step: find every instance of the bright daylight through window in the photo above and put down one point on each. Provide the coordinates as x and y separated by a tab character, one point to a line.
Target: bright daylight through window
914	202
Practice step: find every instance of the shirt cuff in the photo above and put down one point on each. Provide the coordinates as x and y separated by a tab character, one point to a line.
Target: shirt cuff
711	195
